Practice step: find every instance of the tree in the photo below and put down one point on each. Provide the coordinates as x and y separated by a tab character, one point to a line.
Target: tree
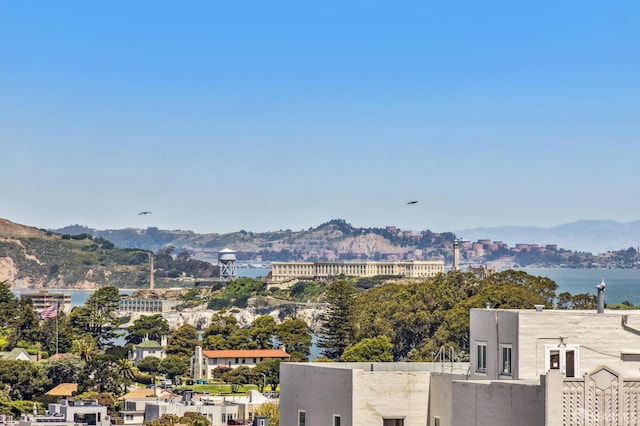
58	334
270	410
221	325
262	331
26	331
566	300
85	348
296	337
172	365
266	371
98	375
237	377
99	315
338	322
27	379
149	364
65	369
183	342
371	349
125	372
152	327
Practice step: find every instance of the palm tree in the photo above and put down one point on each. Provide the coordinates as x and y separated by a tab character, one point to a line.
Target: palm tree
125	372
85	348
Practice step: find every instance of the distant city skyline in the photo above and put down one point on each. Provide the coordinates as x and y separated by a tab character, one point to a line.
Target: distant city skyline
265	116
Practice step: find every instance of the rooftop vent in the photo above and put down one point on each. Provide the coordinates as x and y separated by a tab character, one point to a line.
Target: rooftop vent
539	308
601	288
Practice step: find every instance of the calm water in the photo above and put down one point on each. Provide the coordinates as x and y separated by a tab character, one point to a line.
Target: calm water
622	284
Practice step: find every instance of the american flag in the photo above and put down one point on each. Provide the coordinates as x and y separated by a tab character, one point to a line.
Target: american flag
49	312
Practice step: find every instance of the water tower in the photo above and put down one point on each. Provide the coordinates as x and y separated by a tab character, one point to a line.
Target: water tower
227	264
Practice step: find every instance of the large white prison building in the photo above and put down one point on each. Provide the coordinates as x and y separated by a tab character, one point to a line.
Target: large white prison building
284	271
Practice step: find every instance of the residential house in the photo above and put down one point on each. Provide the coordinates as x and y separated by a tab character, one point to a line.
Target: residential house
147	348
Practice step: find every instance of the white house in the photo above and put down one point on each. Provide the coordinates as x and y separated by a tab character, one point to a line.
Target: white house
145	349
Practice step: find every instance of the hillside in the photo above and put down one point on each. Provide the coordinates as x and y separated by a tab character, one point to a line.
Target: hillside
34	259
332	240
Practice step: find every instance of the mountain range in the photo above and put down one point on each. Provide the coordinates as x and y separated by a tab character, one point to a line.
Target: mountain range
594	236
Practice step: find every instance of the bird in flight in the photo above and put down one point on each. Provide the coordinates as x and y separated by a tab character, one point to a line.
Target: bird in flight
412	202
143	213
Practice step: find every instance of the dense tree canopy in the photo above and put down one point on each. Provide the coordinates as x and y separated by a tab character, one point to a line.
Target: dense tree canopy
152	327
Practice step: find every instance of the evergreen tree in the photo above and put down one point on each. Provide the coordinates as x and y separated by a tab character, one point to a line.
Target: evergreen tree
151	326
295	335
183	342
339	320
99	315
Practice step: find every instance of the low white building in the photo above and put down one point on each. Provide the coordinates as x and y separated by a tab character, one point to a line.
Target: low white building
70	412
147	348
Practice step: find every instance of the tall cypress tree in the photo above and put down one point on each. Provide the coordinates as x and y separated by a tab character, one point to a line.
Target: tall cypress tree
338	322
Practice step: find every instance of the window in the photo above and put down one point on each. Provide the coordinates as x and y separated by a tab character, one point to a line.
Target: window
392	422
336	420
563	357
505	359
301	418
481	357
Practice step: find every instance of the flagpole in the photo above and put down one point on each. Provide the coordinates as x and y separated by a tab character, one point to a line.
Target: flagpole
56	334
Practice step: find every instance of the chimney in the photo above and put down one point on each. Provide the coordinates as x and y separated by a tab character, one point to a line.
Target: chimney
600	288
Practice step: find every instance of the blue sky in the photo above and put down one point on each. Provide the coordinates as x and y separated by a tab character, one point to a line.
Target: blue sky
221	116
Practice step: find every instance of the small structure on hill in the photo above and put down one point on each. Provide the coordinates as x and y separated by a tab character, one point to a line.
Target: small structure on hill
227	264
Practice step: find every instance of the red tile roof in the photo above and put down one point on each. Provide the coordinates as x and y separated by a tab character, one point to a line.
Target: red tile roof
246	353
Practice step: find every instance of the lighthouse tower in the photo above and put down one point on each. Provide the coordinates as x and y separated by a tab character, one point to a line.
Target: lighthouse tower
456	256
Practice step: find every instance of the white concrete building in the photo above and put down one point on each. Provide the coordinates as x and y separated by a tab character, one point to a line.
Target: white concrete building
284	271
527	368
362	394
514	344
70	412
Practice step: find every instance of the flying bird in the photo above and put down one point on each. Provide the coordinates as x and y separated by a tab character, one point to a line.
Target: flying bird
143	213
412	202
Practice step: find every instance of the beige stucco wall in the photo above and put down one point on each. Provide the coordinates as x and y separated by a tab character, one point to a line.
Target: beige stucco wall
320	392
380	395
361	393
441	397
497	403
495	327
611	339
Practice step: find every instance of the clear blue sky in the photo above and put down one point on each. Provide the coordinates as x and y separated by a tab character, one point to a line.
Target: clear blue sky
266	115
